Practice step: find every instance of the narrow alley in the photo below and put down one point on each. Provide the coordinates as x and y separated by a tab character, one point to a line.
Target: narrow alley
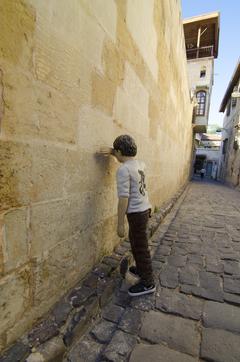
194	314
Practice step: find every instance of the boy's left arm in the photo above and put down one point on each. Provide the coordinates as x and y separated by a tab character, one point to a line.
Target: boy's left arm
122	209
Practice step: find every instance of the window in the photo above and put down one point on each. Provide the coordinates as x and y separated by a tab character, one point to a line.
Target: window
234	100
225	143
201	100
203	72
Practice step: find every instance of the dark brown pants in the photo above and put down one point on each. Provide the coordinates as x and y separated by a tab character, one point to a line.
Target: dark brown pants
138	238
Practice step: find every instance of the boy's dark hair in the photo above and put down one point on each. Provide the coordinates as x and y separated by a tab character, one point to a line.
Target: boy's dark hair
126	145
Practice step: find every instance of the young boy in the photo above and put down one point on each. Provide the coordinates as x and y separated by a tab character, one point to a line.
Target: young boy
133	201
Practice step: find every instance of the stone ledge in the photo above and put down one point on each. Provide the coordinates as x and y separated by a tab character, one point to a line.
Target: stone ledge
74	313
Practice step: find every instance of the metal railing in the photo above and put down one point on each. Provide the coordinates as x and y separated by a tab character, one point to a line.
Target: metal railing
202	52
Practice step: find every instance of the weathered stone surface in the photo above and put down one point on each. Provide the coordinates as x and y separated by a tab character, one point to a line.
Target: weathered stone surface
231	267
131	321
232	298
221	316
210	287
214	267
163	250
103	331
102	270
231	285
169	276
86	350
113	313
221	346
177	260
161	328
79	295
180	304
80	320
112	262
158	353
105	290
144	303
91	281
43	332
120	346
18	352
189	275
61	311
122	299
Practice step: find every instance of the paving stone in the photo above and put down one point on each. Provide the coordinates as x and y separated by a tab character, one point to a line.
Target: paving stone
18	352
214	267
210	287
177	260
144	303
232	298
61	311
91	281
231	267
105	289
80	295
122	299
163	250
221	316
103	331
230	256
180	304
220	346
231	285
158	353
189	275
162	328
196	259
113	313
85	350
131	321
157	265
102	270
169	276
43	332
78	323
120	346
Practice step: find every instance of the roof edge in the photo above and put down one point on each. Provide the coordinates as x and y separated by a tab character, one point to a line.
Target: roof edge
234	79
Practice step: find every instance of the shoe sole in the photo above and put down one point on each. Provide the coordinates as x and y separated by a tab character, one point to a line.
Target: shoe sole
142	293
124	267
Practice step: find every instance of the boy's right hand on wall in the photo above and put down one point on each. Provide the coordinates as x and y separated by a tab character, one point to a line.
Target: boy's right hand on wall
105	151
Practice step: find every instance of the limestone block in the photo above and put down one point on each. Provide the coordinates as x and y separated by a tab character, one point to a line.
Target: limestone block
15	251
95	129
47	173
106	15
131	104
17	21
44	113
59	49
14	291
143	31
15	165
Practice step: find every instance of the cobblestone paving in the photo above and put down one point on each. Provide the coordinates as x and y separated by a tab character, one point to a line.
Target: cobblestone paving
195	312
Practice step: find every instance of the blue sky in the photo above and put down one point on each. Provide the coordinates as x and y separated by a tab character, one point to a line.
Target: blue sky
229	45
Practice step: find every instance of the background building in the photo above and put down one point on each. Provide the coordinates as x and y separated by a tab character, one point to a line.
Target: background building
230	158
201	38
208	155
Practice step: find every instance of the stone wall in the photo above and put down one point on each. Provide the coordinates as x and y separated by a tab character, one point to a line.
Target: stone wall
73	76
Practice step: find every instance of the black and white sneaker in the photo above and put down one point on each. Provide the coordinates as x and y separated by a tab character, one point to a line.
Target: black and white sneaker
133	271
141	289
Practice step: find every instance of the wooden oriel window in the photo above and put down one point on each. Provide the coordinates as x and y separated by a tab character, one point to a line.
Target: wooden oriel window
201	99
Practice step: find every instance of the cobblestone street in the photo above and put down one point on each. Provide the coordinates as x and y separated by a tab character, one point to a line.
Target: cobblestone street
195	312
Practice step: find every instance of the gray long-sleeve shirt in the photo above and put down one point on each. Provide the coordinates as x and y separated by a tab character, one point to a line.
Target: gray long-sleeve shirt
131	183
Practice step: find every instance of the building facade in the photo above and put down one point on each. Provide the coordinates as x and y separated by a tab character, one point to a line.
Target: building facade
73	76
230	149
208	155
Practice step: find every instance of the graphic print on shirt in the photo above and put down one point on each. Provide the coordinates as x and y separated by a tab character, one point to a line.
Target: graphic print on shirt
142	184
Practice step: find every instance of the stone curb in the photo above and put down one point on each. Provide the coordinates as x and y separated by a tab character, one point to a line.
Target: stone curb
75	312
